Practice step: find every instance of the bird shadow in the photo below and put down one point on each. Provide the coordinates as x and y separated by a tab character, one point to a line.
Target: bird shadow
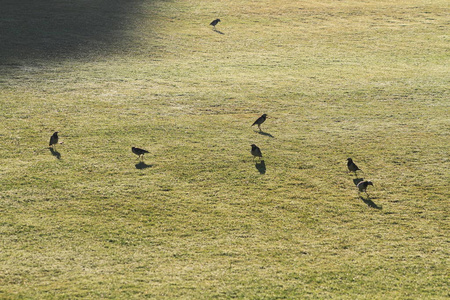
356	175
218	31
265	133
142	165
55	153
370	203
261	167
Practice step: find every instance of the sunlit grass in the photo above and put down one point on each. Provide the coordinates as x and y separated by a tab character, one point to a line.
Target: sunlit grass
198	219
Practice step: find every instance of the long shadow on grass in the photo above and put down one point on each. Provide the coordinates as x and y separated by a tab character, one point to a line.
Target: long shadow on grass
48	29
142	165
265	134
219	32
261	167
55	153
370	202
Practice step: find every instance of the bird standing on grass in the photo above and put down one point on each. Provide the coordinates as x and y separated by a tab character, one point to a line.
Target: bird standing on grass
53	139
139	152
362	186
259	121
256	152
352	167
214	23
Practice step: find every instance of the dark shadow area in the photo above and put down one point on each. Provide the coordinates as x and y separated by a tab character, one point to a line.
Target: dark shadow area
218	31
142	165
55	153
265	134
370	202
261	166
356	175
357	180
33	29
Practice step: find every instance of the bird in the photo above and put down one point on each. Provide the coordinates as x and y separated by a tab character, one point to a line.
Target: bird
214	23
139	152
256	152
352	167
259	121
53	139
362	186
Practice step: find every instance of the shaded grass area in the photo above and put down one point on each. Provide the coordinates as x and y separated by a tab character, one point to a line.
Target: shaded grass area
198	219
52	29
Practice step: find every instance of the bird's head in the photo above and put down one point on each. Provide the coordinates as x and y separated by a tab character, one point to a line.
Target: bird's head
253	145
56	133
218	20
349	159
369	183
264	115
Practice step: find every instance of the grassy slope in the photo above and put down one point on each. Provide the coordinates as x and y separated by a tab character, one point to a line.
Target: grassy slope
361	79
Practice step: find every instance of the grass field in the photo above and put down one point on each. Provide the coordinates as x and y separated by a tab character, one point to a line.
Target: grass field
199	218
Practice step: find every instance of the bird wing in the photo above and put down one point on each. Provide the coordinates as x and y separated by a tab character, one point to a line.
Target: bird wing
257	121
141	150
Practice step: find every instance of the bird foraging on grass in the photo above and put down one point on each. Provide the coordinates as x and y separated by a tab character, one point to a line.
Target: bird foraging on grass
214	23
352	167
53	139
139	152
256	152
260	120
362	186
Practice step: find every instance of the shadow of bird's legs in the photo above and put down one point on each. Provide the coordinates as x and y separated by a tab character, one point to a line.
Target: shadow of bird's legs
55	153
367	194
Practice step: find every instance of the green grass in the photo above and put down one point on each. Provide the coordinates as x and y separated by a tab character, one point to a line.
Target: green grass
197	220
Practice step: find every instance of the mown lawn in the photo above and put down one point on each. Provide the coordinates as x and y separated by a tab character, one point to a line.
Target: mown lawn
198	218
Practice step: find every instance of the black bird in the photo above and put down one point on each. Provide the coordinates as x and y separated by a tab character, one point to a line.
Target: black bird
362	186
139	152
53	139
259	121
256	152
352	167
214	23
